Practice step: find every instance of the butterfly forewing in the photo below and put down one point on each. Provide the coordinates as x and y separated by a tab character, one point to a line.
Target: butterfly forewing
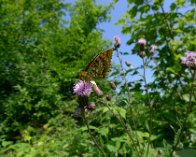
98	67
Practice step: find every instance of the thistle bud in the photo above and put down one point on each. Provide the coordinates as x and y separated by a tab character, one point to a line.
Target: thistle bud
142	43
96	88
113	85
109	97
128	63
78	112
116	42
159	154
153	48
82	101
91	106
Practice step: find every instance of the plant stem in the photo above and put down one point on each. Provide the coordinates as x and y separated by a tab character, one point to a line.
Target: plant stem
167	23
149	103
124	76
168	27
125	128
93	138
129	101
189	109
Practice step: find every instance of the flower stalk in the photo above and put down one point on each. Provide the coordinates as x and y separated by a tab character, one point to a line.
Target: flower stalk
92	137
149	103
128	131
188	111
138	149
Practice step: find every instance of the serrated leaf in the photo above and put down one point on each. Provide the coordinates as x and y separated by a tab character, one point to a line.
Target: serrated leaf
6	143
91	127
186	153
120	111
111	148
102	109
142	134
103	131
186	97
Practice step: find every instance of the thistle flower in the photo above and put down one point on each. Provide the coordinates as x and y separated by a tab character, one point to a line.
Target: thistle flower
82	88
116	41
153	48
189	60
142	42
96	88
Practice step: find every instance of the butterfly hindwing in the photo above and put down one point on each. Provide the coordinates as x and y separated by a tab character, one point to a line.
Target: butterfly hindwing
98	67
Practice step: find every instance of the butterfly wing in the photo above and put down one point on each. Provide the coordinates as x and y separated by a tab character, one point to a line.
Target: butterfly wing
98	67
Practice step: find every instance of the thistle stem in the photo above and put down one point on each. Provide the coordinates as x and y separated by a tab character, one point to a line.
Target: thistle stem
149	104
93	138
189	109
129	101
124	76
125	128
167	23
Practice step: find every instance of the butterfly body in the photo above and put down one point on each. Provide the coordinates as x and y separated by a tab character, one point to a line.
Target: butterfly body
98	67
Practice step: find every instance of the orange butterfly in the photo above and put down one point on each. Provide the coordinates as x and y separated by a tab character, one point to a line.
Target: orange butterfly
98	67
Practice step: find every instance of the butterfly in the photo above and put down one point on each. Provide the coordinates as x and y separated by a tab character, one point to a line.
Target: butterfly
98	67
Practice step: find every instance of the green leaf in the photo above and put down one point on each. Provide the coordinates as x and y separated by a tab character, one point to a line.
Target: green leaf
186	97
84	128
6	143
186	153
142	134
111	148
120	111
103	131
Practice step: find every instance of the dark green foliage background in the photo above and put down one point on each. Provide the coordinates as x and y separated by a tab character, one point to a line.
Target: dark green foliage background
44	44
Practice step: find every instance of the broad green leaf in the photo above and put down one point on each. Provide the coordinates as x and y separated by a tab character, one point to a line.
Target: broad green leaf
103	131
119	111
186	153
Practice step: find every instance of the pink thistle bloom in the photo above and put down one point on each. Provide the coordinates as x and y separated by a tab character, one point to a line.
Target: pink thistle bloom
82	88
96	88
142	41
116	41
153	48
189	60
